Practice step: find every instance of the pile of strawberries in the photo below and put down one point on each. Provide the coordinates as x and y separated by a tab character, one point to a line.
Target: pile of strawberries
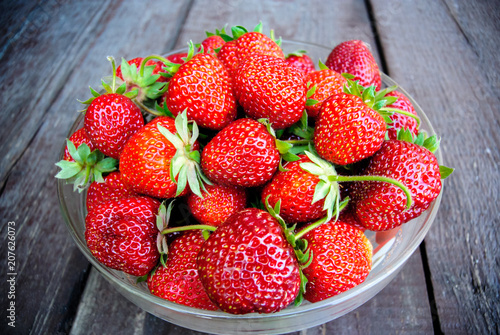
234	177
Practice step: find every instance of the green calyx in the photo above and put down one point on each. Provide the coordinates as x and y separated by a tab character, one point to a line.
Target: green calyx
285	148
185	169
376	100
217	32
430	143
87	167
142	81
110	87
327	188
310	92
422	139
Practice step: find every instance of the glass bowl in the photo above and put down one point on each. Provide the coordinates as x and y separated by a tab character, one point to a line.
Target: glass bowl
391	251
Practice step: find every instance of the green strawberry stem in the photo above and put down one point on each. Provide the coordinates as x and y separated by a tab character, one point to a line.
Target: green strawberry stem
392	181
147	109
188	227
318	223
400	111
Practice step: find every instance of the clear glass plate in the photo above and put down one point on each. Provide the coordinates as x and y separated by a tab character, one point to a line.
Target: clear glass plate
388	258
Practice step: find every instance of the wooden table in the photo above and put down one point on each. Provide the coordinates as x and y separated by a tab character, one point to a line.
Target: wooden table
445	53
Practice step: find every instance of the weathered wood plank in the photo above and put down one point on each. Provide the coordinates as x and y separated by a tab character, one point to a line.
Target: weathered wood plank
442	64
37	61
51	271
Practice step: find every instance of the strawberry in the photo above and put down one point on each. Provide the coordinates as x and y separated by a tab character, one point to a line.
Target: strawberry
355	57
202	87
242	154
121	234
267	87
326	82
296	187
111	118
244	43
160	159
247	265
380	206
77	138
211	43
217	204
341	259
112	188
301	61
351	126
178	280
401	121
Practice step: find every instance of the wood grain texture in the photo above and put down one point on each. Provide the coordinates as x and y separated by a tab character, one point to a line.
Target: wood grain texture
440	66
51	271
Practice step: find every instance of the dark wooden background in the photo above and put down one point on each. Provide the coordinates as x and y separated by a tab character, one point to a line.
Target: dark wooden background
444	52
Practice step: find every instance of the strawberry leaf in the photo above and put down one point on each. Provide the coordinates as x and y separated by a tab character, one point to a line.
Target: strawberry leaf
445	171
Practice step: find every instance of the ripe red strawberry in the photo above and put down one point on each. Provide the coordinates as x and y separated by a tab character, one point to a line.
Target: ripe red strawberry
350	127
300	60
218	203
211	43
77	138
267	87
202	87
341	259
328	82
178	281
401	121
295	187
157	160
112	188
355	57
110	120
121	234
242	154
244	43
381	206
247	265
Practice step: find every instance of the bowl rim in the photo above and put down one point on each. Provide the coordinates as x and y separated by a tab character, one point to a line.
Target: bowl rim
396	265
